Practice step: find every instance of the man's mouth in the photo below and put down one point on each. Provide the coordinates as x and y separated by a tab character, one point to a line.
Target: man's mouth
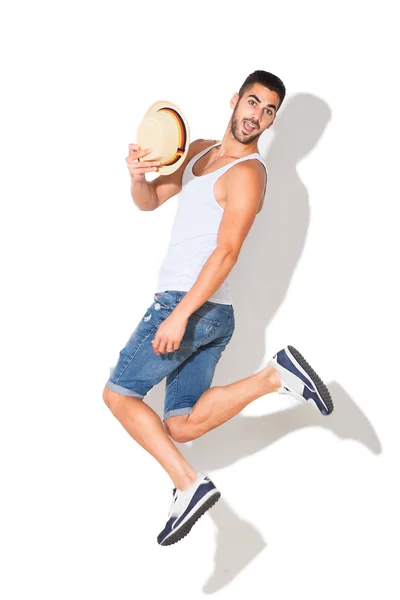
249	127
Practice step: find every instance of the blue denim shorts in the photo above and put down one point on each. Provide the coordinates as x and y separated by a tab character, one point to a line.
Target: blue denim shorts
189	370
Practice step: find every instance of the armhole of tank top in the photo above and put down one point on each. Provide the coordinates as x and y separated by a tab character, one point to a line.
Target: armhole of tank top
196	157
262	161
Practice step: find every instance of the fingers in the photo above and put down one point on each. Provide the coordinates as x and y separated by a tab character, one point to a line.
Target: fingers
140	168
136	165
133	148
137	152
163	347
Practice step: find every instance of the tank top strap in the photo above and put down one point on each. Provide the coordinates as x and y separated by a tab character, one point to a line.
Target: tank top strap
217	174
200	154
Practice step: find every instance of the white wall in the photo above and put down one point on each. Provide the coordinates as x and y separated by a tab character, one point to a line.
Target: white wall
309	506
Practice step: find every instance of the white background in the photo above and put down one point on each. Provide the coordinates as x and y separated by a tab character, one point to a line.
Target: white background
309	505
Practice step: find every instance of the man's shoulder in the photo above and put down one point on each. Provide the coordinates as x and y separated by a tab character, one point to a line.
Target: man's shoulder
251	168
199	145
249	175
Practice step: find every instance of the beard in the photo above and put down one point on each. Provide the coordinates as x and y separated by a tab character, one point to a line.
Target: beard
237	133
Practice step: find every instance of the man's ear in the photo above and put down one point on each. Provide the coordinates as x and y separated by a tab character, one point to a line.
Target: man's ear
234	100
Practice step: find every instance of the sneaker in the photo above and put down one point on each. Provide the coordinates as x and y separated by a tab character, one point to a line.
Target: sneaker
300	381
186	508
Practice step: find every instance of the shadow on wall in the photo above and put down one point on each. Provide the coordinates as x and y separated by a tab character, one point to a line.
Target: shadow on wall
275	243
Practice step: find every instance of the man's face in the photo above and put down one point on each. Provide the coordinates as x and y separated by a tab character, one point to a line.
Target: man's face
253	113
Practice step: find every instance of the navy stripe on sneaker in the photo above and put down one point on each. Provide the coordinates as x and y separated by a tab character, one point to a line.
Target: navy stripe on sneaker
283	359
187	507
201	491
300	381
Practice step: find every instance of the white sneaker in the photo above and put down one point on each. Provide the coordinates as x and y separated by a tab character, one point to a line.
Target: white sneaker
187	507
300	381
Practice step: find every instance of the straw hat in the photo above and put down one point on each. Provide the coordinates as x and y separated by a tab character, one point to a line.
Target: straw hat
165	129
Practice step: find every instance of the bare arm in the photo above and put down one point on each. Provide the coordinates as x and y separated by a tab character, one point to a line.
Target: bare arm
149	195
244	189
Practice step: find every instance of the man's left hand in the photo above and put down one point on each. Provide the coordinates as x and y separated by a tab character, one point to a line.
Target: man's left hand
169	334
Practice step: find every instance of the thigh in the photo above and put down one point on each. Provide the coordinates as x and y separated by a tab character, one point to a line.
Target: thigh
139	368
194	376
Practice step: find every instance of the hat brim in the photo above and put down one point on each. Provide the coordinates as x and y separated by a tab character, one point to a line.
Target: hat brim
178	155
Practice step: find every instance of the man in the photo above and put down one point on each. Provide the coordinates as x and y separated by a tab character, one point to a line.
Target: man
182	335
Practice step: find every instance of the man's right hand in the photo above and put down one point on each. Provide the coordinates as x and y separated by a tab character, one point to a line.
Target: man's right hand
138	167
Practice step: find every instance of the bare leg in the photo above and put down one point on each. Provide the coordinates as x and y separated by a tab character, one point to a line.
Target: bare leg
220	403
145	426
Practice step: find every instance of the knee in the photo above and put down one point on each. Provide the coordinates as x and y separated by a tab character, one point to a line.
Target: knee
178	429
112	399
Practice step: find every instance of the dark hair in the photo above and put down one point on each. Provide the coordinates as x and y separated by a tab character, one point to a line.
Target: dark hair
272	82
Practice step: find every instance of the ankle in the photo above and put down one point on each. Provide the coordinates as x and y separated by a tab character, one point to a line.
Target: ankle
185	481
271	378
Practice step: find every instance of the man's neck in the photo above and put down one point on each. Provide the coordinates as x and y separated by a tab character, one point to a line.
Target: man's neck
231	147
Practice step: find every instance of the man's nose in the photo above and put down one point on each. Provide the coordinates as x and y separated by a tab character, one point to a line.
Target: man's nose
257	117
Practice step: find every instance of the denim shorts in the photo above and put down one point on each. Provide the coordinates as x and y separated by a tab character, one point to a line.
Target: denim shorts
189	370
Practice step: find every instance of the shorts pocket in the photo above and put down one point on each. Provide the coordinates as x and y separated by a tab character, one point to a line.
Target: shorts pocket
166	300
197	317
199	331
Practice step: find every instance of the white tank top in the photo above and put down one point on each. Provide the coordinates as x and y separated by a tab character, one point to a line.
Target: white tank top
195	229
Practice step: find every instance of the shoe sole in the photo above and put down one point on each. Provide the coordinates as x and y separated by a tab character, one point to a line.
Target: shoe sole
185	529
319	384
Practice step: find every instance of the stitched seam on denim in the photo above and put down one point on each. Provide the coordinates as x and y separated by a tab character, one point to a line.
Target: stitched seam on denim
228	312
176	379
209	334
226	330
220	351
225	345
232	321
163	305
172	306
168	413
156	301
224	333
129	390
199	318
140	345
229	324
